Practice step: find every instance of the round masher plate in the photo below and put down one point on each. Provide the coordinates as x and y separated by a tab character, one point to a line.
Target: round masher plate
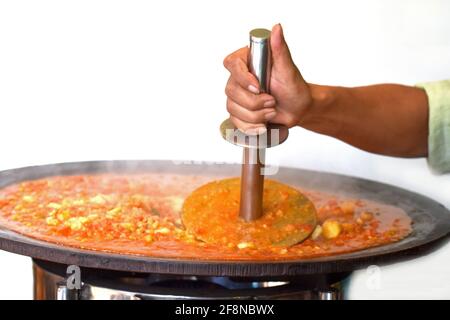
211	214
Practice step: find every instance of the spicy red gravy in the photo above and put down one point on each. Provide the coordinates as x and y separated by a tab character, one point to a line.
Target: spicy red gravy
139	214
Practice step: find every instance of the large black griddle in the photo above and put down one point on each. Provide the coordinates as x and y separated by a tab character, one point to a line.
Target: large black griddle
430	230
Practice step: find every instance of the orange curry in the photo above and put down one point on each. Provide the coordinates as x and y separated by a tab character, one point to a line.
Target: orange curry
139	214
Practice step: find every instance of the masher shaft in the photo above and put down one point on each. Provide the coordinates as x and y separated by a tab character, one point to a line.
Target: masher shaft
252	184
252	178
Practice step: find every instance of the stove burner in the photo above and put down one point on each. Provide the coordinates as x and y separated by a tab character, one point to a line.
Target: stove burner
50	282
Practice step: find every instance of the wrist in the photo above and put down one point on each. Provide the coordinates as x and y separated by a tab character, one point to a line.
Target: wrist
321	115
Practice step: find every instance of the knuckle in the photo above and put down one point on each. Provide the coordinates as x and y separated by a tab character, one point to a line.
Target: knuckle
228	89
229	106
234	65
230	63
231	89
226	61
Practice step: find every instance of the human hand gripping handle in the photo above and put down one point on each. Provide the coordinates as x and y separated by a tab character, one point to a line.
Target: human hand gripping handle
252	101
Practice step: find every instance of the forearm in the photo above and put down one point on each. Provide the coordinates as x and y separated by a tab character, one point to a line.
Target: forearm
387	119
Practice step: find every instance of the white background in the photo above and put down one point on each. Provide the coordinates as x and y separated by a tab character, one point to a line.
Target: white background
85	80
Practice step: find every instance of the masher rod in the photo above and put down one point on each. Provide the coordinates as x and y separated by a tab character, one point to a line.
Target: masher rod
252	177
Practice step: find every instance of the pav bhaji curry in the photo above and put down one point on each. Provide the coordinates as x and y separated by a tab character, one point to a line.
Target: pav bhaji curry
141	214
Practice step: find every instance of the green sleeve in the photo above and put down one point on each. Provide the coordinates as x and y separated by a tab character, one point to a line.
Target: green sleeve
438	124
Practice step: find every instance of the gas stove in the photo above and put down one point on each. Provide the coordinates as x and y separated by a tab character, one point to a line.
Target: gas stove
53	281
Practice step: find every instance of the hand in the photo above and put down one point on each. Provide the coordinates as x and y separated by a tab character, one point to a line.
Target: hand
289	98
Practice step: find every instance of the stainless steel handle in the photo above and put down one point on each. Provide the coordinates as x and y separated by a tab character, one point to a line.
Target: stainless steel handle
259	59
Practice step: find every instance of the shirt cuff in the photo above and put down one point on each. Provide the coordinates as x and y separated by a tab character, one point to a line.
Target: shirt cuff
438	124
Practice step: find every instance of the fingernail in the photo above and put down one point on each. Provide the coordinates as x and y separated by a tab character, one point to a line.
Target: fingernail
270	115
269	104
253	89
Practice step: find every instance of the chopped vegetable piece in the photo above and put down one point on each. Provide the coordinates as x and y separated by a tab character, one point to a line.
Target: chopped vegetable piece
331	229
317	232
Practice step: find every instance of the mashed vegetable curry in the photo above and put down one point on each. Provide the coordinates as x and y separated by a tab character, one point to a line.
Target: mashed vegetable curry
139	214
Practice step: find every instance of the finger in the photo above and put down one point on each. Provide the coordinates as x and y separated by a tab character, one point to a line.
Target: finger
236	63
247	99
282	59
280	49
253	117
248	128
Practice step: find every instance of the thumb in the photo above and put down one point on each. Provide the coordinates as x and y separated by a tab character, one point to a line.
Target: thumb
281	57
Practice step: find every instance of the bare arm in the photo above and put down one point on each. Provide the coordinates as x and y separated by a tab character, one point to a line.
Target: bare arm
388	119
